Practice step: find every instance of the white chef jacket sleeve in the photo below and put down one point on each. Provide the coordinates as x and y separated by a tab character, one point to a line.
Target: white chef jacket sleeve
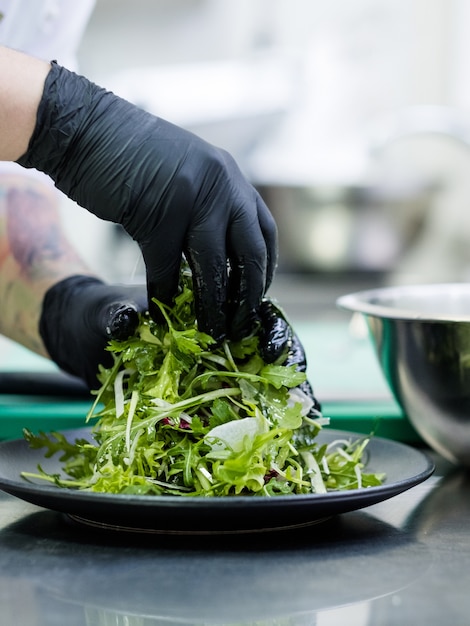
47	29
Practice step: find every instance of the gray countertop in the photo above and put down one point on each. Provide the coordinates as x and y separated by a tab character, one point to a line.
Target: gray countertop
404	561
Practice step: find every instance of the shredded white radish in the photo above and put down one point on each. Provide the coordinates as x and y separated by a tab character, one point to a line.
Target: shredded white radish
206	473
163	404
119	391
130	417
319	422
184	416
167	485
232	434
344	454
314	472
134	445
297	396
357	470
337	443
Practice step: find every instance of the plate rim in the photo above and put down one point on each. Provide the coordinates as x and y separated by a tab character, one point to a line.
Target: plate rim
24	486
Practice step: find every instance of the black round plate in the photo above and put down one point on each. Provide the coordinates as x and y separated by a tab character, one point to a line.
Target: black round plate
404	467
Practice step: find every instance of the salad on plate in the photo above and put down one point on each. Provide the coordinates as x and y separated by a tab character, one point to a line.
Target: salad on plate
177	414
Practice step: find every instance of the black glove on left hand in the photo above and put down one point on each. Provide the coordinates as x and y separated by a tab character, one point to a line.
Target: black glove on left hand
80	315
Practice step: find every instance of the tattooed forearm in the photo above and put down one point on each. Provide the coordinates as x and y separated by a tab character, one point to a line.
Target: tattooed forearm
34	234
34	255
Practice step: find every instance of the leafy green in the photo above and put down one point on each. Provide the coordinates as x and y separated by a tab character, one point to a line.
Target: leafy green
177	414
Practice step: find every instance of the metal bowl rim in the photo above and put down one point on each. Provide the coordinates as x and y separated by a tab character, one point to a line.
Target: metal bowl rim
360	302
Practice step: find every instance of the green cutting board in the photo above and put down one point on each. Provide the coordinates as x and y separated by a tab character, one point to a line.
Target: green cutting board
341	367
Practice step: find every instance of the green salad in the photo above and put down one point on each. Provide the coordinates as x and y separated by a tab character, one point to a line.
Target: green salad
178	415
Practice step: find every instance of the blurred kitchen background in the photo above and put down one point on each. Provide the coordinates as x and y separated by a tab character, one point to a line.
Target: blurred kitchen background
352	118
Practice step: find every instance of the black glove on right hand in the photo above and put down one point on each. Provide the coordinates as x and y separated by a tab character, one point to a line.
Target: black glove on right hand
278	342
172	192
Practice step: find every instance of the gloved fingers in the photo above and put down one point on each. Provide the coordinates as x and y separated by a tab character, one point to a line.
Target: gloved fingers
228	286
253	255
121	321
162	263
229	267
248	259
296	356
120	318
269	230
246	289
278	343
205	253
207	258
275	334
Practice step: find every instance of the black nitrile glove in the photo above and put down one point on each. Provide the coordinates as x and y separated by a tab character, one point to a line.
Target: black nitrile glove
173	193
279	343
80	315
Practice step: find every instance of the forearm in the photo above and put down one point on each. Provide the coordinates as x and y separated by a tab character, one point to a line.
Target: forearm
22	79
34	255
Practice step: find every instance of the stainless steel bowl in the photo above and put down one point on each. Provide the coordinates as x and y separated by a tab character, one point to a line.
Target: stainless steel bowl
421	335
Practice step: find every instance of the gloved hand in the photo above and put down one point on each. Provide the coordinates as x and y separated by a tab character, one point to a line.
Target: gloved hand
173	193
279	343
80	315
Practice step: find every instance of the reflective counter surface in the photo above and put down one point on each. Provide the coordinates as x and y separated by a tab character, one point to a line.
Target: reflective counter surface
404	561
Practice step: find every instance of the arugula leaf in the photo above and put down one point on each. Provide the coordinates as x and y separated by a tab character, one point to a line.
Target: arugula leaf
282	376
